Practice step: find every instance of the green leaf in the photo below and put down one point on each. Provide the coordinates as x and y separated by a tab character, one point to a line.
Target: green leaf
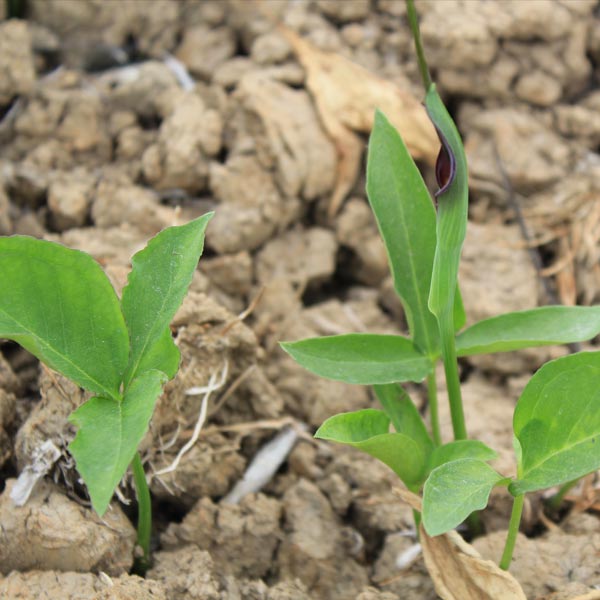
460	317
452	210
403	414
406	219
367	430
460	449
361	358
59	305
557	423
160	276
109	433
543	326
454	490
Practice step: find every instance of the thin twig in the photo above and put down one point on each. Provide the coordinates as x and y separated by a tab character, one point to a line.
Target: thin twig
232	388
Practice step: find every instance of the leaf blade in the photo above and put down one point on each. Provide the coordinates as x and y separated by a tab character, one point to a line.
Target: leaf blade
367	430
406	220
557	423
160	276
542	326
454	490
403	414
361	358
59	305
460	449
109	433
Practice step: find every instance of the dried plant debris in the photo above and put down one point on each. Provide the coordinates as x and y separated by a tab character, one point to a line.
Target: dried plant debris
346	96
458	570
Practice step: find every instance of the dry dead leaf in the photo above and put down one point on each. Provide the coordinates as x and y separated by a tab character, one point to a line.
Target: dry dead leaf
346	96
457	569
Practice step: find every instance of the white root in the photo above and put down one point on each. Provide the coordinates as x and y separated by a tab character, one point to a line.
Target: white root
207	390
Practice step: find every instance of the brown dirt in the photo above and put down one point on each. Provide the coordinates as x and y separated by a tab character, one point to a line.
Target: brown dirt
101	146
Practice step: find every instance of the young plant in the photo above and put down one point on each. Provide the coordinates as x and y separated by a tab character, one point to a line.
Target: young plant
59	305
557	418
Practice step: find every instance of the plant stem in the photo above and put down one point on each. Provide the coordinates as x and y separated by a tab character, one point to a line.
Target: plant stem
144	510
513	530
433	408
556	500
452	378
414	26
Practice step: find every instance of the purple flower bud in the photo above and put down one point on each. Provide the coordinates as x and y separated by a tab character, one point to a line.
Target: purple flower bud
445	166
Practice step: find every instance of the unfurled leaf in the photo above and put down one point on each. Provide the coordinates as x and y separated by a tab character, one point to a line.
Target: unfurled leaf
58	304
453	200
160	276
361	358
109	433
403	414
368	430
543	326
461	449
406	219
460	317
454	490
557	423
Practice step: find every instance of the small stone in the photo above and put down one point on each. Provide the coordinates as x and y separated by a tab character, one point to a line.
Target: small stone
229	73
353	34
53	532
347	10
233	273
308	256
314	550
17	72
270	48
186	574
241	538
538	88
69	199
203	49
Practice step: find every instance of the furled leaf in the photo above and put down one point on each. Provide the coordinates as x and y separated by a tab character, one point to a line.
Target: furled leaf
403	414
406	219
361	358
160	276
367	430
453	200
557	423
109	433
454	490
58	304
541	326
460	449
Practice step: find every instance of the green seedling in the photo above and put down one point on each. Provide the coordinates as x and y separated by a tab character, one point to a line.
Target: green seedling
557	418
59	305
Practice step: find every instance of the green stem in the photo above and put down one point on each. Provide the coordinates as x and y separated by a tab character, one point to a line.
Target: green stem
433	408
414	26
513	530
556	500
452	378
144	510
